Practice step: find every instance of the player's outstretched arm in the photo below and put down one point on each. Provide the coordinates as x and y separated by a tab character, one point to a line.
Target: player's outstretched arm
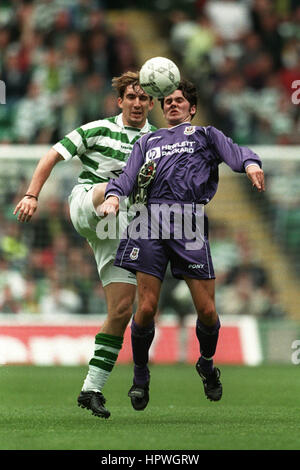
27	206
256	176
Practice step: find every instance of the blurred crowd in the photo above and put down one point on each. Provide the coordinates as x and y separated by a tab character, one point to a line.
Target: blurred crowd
57	58
245	57
281	208
47	268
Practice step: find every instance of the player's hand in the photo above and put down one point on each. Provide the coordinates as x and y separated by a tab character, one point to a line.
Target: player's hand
109	206
256	176
26	208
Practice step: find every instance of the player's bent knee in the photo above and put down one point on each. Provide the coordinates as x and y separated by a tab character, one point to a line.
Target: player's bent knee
207	314
147	311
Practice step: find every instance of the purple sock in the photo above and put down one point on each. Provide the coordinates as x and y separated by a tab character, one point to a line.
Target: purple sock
141	375
207	365
208	338
141	340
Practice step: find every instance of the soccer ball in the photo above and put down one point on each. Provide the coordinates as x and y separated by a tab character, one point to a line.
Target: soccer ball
159	77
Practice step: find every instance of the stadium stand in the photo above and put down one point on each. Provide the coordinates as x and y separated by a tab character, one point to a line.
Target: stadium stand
57	59
244	55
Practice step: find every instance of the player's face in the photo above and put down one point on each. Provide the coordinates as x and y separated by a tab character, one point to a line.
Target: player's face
177	109
135	106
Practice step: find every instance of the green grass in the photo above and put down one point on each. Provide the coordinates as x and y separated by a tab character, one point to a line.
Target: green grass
259	410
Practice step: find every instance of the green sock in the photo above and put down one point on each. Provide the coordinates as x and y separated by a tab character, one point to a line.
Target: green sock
107	348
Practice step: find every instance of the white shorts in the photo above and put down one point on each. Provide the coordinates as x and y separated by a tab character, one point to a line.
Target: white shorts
85	219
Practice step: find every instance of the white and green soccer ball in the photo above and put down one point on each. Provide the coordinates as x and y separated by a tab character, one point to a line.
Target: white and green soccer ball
159	77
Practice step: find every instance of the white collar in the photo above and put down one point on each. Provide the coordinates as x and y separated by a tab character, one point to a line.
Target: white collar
186	123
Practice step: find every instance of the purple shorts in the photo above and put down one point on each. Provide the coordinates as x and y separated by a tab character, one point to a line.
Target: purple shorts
151	255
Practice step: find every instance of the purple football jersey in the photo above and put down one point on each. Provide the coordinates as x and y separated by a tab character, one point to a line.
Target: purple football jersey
187	158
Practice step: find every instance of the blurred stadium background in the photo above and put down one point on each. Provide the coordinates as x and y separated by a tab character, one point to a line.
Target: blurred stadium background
57	58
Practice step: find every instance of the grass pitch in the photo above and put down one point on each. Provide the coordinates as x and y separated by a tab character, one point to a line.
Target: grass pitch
259	410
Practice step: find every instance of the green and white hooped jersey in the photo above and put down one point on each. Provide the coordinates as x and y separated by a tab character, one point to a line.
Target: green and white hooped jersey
103	147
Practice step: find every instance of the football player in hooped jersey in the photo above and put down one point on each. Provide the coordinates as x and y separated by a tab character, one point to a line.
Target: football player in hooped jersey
103	147
184	160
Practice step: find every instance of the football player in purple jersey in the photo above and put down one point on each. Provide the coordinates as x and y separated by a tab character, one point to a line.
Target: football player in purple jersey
179	164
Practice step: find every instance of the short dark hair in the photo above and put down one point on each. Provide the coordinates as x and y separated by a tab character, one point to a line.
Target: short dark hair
188	90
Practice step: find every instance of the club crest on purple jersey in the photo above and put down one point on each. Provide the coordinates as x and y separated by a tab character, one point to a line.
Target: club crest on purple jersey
134	254
189	130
